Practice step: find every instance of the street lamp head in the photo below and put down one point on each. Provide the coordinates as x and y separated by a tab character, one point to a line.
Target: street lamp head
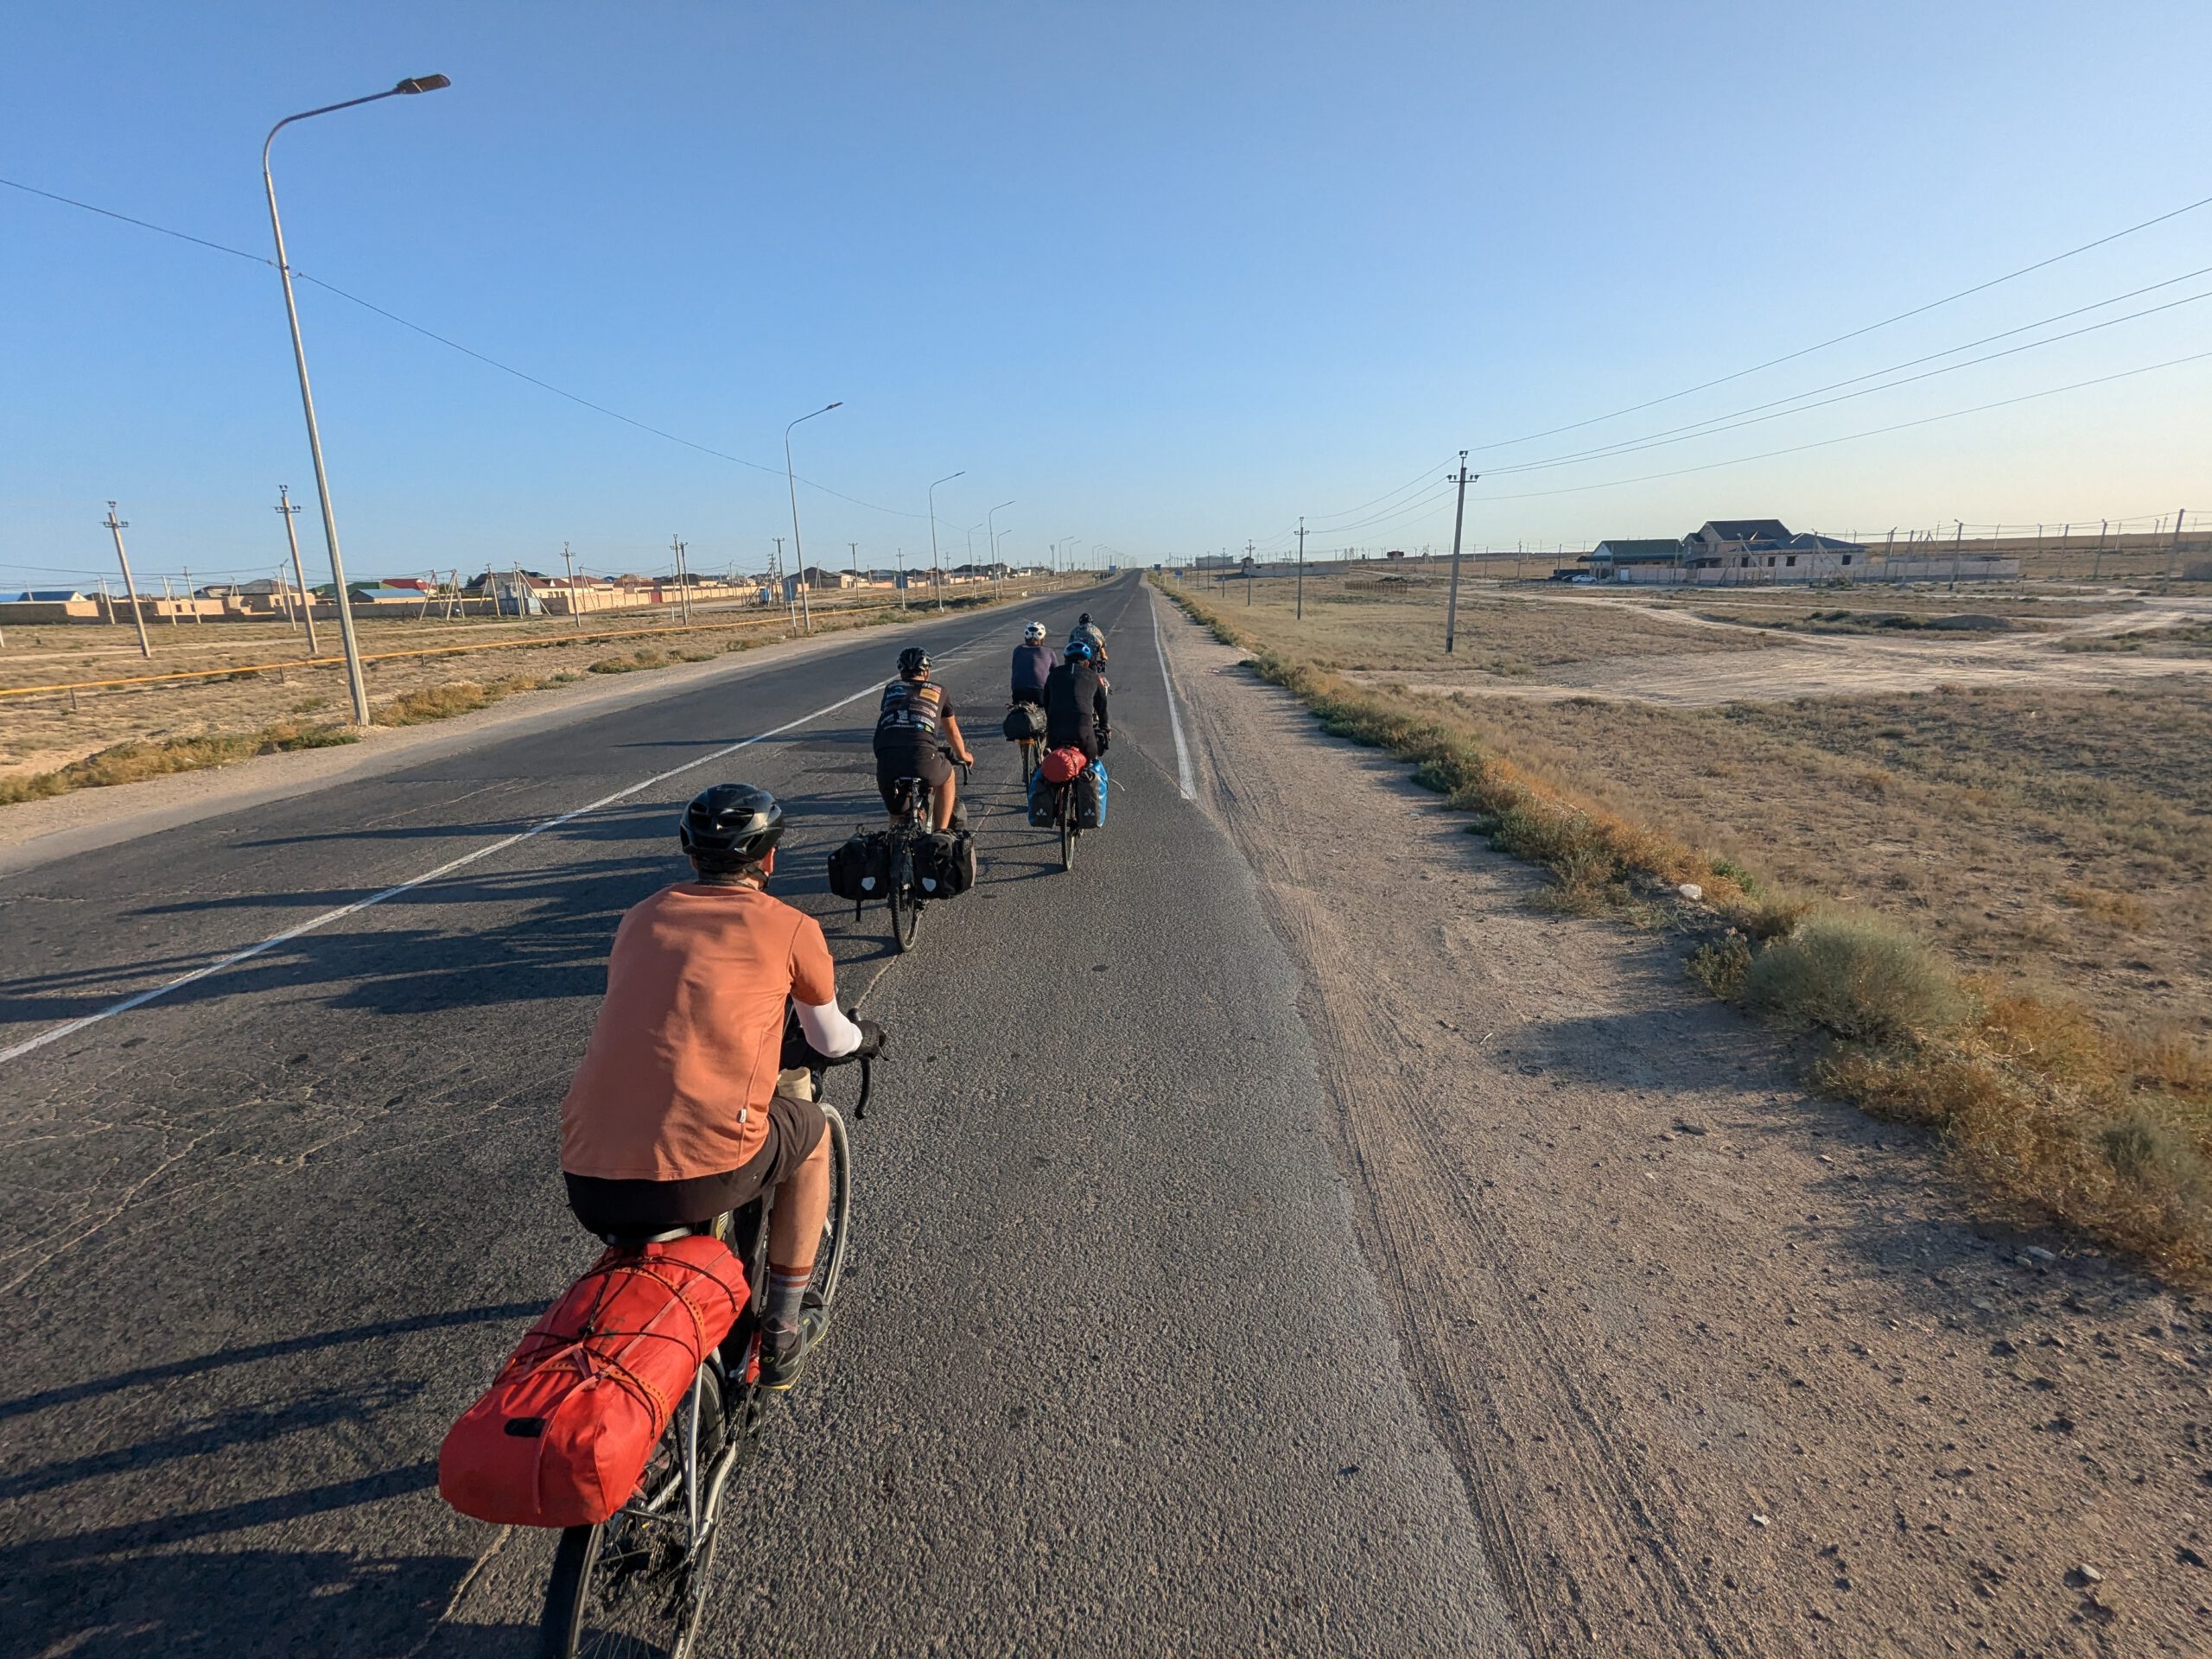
840	403
424	84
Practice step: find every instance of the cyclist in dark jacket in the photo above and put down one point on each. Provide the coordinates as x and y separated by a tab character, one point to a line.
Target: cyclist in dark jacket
1075	704
1032	661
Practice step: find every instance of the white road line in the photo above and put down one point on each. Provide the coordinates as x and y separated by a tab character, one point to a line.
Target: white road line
59	1031
1184	780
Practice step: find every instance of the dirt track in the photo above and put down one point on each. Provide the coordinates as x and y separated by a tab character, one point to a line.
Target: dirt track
1720	1366
1801	666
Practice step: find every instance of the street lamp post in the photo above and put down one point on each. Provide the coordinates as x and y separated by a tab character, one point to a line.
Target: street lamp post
799	552
937	581
354	683
991	530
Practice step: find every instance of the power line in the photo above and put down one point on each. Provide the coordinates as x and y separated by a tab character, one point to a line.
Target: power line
1872	432
1708	429
452	344
1838	339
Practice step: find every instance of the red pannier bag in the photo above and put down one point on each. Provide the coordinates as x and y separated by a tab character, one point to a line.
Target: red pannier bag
564	1433
1062	765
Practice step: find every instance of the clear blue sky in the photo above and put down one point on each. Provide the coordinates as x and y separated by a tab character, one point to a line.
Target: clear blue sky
1166	275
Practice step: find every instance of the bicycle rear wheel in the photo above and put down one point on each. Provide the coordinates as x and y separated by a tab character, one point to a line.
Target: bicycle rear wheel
905	908
630	1586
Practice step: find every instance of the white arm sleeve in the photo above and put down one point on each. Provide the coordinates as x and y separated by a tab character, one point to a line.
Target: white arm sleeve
827	1032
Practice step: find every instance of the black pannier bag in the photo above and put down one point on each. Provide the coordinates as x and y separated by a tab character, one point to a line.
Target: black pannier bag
860	869
944	863
1041	801
1024	720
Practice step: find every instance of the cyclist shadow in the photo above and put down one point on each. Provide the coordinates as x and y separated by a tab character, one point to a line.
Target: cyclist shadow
254	1602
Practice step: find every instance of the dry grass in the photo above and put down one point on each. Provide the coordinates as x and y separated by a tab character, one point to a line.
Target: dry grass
44	732
1859	977
2188	639
1941	807
432	703
126	763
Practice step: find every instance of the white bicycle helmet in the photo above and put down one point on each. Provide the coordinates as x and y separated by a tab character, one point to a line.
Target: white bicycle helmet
1033	632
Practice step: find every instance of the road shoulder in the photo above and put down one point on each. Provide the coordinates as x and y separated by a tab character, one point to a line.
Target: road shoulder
1720	1366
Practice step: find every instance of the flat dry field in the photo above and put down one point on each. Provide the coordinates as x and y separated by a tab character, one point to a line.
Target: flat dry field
44	732
2043	811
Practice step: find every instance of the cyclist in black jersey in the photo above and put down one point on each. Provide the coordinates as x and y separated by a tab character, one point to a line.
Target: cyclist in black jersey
916	736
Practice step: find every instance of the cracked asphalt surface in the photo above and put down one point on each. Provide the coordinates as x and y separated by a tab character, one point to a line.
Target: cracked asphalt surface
1110	1374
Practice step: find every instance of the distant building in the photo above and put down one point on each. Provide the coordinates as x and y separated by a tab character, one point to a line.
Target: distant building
1729	538
1610	557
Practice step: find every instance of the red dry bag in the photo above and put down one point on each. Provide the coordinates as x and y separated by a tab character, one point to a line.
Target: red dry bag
565	1430
1062	765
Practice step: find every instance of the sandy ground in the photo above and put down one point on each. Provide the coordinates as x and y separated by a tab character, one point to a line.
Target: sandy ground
1801	666
1723	1370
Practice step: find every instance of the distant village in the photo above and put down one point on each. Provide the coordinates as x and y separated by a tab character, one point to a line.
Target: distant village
512	592
1757	551
1720	552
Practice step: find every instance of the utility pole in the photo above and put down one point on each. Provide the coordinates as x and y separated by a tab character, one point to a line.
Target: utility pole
791	592
2097	569
855	546
1251	572
169	602
901	581
1301	567
1459	517
116	527
683	583
2173	553
196	618
575	601
289	508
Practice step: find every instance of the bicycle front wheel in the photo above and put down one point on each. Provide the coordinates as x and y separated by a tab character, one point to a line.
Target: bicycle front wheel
1067	837
829	1260
631	1586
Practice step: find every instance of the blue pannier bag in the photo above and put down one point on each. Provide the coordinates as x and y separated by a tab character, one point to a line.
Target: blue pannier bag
1091	796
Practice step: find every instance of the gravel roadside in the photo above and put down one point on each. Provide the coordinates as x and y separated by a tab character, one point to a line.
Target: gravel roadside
1721	1364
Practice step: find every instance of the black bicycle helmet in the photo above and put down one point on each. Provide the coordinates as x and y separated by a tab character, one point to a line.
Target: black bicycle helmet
1084	621
913	660
731	824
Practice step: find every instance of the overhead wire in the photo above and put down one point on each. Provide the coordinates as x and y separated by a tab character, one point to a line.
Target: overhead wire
1854	333
1871	432
454	345
1722	424
1694	427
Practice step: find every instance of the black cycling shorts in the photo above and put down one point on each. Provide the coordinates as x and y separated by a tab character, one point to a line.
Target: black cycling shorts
932	765
630	1208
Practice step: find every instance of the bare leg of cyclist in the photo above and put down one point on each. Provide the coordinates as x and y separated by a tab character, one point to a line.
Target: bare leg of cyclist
945	798
802	1206
795	1224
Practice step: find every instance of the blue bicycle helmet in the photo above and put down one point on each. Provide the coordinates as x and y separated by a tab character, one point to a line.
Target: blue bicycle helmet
1078	647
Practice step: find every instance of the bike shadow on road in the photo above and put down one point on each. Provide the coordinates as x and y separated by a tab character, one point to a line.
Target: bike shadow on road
224	1603
122	1587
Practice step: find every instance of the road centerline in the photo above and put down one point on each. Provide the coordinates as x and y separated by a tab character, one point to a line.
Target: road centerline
55	1033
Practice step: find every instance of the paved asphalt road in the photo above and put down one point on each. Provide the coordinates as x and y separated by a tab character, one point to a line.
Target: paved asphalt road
1109	1376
